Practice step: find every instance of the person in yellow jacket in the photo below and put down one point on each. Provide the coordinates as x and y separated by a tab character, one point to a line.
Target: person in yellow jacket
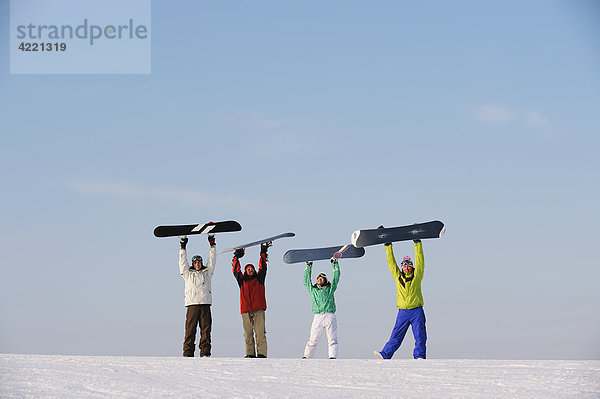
408	279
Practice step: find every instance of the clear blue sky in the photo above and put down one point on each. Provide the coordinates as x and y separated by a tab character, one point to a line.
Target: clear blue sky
318	118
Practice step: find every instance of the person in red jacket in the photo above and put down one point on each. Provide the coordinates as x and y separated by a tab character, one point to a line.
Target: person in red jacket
253	303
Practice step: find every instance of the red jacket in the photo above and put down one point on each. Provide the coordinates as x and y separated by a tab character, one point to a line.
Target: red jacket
252	288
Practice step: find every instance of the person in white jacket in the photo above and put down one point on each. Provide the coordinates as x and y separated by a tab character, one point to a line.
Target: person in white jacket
198	297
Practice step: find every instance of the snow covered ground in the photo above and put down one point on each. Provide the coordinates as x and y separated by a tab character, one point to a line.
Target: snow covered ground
45	376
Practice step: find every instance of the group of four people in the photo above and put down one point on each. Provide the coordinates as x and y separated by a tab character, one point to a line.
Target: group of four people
253	304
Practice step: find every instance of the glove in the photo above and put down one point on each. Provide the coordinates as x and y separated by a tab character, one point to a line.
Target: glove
309	264
183	241
211	240
265	246
416	241
334	261
239	253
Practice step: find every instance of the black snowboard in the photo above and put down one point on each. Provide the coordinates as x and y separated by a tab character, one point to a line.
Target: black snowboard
309	255
202	228
364	238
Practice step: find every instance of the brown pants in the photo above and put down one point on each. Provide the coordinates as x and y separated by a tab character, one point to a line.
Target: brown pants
254	322
197	315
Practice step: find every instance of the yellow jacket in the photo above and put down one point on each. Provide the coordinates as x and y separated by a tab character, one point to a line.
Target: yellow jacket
408	287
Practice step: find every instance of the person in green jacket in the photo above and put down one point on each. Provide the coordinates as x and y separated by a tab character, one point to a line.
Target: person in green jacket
408	279
323	307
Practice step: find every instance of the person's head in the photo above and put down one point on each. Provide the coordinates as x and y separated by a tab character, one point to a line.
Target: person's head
197	262
250	270
321	279
407	265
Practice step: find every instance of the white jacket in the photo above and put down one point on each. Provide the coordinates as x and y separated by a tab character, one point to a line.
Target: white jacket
197	282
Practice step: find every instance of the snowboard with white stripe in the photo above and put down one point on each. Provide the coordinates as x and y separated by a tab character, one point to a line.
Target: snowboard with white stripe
202	228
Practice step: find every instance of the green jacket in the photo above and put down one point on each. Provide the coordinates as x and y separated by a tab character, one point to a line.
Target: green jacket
408	287
322	297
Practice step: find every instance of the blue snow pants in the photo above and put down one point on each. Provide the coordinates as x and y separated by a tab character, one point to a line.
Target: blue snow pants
406	317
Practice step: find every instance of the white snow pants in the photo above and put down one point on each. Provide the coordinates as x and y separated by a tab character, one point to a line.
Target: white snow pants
327	322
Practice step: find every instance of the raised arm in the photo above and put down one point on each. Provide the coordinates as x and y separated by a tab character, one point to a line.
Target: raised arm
237	270
336	275
391	261
262	267
237	267
184	265
419	259
307	276
212	255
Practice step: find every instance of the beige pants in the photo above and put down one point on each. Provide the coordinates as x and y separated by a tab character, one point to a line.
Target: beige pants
254	323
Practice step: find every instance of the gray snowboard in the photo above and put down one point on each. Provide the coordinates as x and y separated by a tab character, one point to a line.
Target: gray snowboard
309	255
253	243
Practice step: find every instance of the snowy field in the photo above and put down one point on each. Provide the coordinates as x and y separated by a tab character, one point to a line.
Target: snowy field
43	376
